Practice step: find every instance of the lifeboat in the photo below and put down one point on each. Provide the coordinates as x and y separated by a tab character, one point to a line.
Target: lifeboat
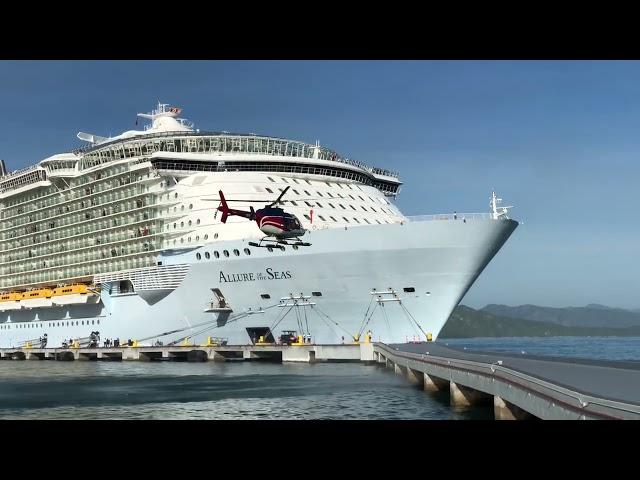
75	294
37	298
10	301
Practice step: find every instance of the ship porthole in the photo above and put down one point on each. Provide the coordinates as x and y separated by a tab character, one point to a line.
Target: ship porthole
198	256
226	253
247	251
236	252
216	254
207	255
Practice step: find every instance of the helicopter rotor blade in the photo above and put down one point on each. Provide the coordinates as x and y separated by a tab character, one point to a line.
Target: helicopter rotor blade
281	195
233	200
266	200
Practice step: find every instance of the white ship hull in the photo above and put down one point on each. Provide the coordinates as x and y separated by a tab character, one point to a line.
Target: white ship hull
439	259
10	305
136	216
75	299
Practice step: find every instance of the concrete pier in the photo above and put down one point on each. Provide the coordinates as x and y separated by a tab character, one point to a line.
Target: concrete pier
462	396
520	387
415	376
503	410
434	384
307	353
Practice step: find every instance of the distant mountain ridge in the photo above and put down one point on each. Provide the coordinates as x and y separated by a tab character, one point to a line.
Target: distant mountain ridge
593	315
465	322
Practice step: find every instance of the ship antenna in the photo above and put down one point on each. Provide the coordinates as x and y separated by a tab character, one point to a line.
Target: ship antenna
498	212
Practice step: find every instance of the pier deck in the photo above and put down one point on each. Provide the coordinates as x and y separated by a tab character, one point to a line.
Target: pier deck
284	353
521	385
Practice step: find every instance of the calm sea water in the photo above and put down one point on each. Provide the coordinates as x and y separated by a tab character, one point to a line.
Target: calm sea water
599	348
252	390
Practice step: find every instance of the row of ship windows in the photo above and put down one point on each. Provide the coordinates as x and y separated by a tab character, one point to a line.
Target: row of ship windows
236	252
329	194
295	180
70	205
78	244
175	195
346	219
51	324
182	207
318	204
73	184
206	237
310	204
189	223
77	219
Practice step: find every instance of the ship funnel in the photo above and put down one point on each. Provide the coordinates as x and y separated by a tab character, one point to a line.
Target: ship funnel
3	168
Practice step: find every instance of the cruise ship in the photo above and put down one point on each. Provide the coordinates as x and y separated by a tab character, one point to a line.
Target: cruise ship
124	237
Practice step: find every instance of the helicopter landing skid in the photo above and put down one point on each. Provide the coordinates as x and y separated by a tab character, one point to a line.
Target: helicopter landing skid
271	243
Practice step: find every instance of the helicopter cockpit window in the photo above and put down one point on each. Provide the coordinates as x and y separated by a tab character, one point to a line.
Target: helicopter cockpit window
292	223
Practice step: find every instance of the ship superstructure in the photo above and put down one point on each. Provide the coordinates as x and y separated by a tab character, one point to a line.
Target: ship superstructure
122	226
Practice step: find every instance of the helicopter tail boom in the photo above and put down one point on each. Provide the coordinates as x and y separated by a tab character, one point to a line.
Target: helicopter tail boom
224	208
227	212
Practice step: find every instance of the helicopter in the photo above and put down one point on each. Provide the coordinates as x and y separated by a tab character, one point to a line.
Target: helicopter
281	228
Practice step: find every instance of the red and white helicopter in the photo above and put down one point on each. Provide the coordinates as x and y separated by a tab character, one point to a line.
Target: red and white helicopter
281	228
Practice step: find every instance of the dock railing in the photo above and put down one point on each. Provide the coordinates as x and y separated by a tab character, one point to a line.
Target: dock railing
552	391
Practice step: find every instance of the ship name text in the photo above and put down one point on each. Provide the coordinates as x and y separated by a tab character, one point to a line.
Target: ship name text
268	274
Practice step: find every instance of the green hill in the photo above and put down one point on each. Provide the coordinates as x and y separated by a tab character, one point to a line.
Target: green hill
593	315
466	322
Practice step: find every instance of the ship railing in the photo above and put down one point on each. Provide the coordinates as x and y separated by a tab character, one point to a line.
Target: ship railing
146	139
451	216
17	173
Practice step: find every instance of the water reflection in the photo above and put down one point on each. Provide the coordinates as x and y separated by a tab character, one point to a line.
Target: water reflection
234	390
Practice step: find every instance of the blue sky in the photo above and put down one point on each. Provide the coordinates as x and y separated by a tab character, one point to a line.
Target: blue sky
557	139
